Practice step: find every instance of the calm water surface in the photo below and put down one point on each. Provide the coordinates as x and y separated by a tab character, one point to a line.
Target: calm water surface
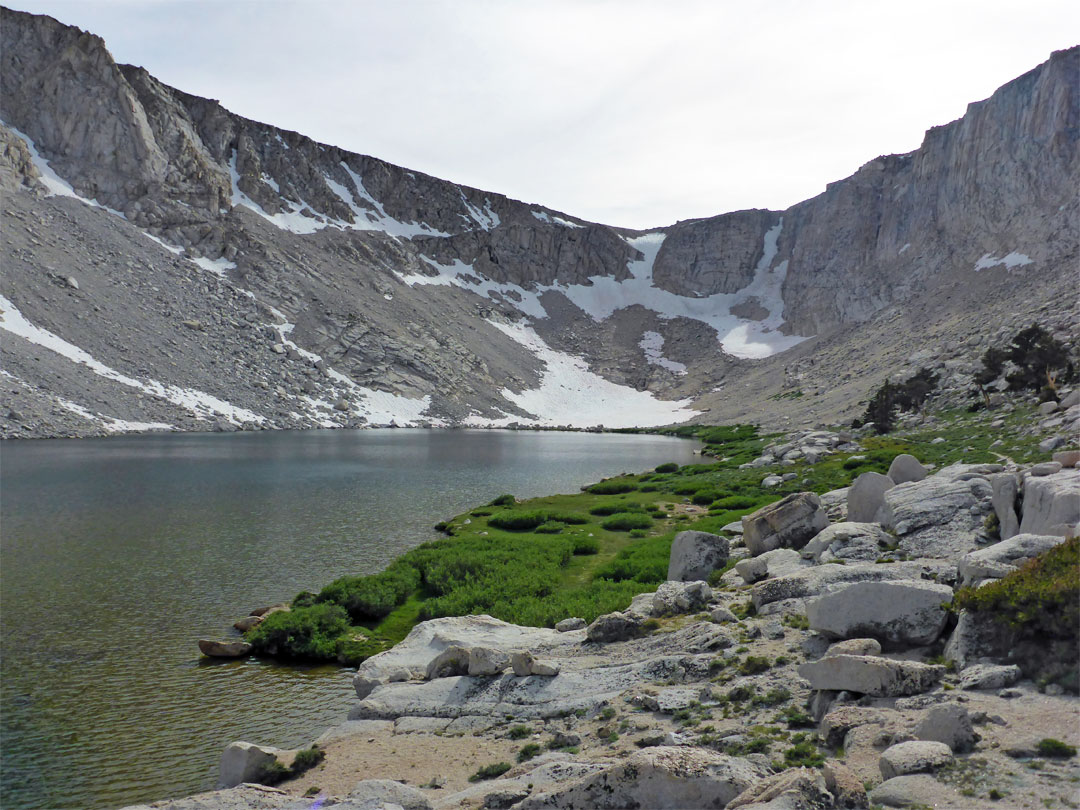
118	554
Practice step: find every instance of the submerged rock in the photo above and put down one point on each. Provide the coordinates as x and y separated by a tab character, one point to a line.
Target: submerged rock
223	649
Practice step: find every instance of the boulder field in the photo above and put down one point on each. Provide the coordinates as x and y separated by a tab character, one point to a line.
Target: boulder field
825	669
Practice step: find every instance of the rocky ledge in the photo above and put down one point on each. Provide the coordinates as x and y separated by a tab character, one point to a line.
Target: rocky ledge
823	670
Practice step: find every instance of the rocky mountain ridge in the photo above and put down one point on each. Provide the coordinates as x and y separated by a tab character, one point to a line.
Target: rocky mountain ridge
342	290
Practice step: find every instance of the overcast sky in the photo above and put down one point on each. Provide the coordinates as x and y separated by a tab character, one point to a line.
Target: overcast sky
623	112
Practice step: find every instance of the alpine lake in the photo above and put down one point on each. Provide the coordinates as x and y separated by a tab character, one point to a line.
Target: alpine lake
119	553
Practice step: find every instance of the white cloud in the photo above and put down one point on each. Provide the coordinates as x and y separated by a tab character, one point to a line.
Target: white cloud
628	112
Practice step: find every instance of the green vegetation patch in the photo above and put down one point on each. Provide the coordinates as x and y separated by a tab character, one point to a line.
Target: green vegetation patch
625	521
1041	598
306	633
491	771
1039	604
613	486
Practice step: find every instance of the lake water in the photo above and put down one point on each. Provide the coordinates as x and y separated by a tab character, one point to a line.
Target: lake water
118	554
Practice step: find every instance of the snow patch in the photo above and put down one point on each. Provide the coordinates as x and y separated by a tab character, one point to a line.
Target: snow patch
200	403
292	221
1010	261
215	266
460	274
745	339
554	220
163	243
111	423
378	220
486	219
905	247
54	183
379	407
652	343
604	295
570	394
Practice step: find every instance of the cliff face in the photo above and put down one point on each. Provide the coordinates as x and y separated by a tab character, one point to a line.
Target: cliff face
463	300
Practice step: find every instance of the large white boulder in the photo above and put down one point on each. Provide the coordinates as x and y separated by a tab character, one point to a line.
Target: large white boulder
487	661
949	724
429	639
387	792
1051	503
695	555
794	788
906	468
871	675
245	762
989	676
866	496
663	776
1004	488
994	562
680	597
941	516
897	613
821	578
848	541
775	563
976	638
788	523
916	756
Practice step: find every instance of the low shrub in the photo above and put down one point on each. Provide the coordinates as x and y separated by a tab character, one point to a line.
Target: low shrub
518	521
572	518
306	759
733	502
503	500
1040	599
670	467
625	521
519	732
308	633
804	753
797	718
644	562
613	486
1049	747
639	533
272	773
527	752
373	596
753	665
613	507
703	497
585	545
689	488
490	771
550	527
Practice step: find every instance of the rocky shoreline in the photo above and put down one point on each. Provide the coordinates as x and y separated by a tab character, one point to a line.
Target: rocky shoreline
823	669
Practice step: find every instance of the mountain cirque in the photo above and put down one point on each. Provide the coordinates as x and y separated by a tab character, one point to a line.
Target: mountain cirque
168	264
